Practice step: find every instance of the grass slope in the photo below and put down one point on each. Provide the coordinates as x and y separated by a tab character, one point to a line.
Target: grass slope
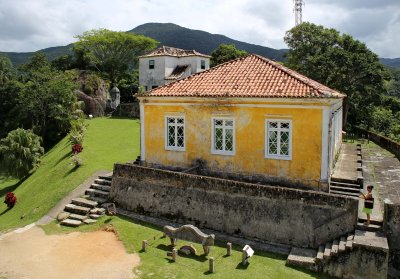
156	264
107	141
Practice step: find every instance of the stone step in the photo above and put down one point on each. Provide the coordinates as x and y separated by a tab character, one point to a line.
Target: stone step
327	251
342	244
97	199
98	211
97	193
345	189
349	242
343	180
320	254
102	181
84	202
94	216
73	208
89	221
104	188
370	228
301	257
343	193
347	185
372	221
71	222
78	217
105	177
335	247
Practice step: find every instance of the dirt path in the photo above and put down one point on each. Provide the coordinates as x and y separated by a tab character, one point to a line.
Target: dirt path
33	254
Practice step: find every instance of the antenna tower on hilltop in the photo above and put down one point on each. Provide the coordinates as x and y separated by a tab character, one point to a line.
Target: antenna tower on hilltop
298	8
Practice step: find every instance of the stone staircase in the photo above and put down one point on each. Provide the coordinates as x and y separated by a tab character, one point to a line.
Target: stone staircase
374	226
362	254
86	209
310	258
347	188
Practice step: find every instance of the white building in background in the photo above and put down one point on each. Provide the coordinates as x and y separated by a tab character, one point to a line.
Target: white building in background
168	64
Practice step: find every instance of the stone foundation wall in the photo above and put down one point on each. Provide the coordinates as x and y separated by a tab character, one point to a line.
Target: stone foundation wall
130	110
392	229
280	215
361	262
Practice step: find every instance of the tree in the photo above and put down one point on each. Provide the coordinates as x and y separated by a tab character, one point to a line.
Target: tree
110	52
6	70
20	153
224	53
340	62
394	84
9	114
47	99
382	120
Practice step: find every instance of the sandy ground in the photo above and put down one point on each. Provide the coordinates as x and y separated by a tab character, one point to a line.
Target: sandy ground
30	254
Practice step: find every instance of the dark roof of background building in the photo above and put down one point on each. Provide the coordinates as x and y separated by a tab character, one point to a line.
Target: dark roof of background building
173	51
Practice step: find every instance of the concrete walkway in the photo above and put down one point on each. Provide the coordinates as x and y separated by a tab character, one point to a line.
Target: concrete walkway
369	170
386	172
346	165
374	172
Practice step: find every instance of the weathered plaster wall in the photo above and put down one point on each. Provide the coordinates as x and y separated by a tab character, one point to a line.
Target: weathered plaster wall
392	229
280	215
249	157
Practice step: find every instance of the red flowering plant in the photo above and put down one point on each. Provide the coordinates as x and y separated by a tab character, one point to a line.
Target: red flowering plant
10	200
77	148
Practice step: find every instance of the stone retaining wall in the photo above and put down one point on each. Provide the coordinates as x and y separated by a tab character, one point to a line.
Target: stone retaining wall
275	214
384	142
392	229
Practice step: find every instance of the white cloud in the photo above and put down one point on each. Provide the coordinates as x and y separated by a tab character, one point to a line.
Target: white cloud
28	25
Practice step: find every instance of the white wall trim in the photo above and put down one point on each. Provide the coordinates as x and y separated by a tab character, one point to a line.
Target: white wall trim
325	144
239	105
142	130
320	101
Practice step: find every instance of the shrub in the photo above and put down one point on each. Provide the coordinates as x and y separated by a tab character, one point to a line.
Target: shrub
10	200
20	153
76	160
77	148
77	132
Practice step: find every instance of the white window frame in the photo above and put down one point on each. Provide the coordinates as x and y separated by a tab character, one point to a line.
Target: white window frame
175	148
267	129
223	152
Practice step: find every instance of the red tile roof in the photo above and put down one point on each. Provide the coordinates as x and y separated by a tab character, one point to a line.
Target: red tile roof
249	76
173	51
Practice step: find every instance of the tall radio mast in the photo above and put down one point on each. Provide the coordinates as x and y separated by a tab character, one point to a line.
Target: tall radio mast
298	8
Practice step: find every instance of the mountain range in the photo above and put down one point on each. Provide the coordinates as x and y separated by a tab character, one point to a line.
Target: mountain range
173	35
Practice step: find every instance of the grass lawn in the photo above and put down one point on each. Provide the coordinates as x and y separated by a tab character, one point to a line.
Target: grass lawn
156	264
107	141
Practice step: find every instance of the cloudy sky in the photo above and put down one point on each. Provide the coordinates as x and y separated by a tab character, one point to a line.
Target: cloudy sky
29	25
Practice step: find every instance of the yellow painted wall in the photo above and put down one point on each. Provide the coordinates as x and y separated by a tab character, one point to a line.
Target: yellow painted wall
250	139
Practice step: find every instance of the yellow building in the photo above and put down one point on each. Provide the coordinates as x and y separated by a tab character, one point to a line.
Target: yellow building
249	118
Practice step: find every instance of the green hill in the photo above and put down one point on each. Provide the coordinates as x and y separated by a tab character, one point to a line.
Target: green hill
173	35
170	34
18	58
167	34
391	62
107	141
